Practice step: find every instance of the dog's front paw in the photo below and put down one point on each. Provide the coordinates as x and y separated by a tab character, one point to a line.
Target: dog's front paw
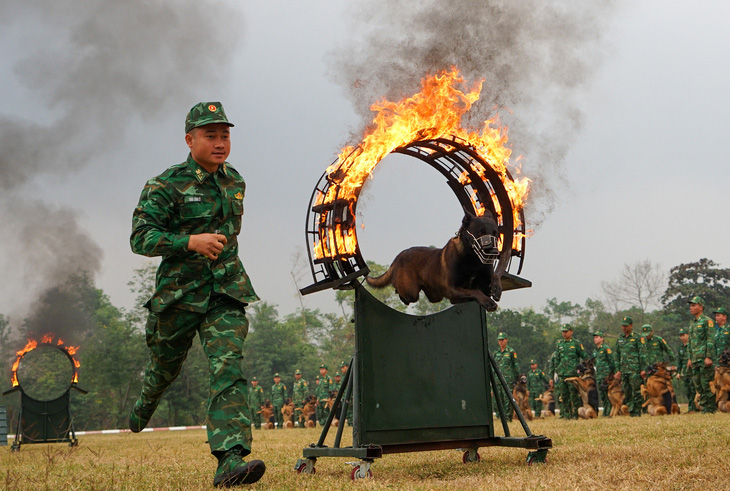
490	305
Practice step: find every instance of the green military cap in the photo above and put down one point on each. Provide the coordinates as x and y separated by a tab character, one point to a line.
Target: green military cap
697	299
682	330
599	333
566	327
627	321
205	113
254	379
646	328
317	377
298	372
344	364
277	375
502	336
720	310
533	362
323	366
337	374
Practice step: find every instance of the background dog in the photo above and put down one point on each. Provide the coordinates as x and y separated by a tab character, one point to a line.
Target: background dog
461	271
308	412
616	396
721	385
287	411
267	415
585	382
658	391
548	404
521	395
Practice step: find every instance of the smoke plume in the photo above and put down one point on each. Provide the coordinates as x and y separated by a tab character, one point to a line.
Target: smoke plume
89	69
535	58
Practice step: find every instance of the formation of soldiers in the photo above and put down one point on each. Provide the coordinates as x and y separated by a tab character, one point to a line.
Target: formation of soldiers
703	343
325	389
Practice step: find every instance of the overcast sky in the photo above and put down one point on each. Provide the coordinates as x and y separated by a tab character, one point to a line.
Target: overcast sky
629	157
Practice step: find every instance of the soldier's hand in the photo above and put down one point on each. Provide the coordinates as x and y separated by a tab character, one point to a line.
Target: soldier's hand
643	374
708	362
617	376
208	245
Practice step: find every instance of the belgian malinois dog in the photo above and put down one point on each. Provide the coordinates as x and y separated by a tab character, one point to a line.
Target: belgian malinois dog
461	271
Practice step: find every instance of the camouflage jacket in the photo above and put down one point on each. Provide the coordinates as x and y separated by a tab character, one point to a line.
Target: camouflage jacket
278	394
657	350
605	365
187	200
300	391
701	339
255	398
682	360
323	388
507	363
335	386
537	382
722	340
630	357
567	356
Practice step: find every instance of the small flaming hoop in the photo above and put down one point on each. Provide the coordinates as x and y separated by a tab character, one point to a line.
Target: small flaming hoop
47	341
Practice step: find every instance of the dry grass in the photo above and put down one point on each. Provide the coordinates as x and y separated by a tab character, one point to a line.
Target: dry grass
671	452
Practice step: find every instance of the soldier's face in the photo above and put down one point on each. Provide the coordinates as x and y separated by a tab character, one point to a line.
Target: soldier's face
322	371
721	319
502	343
533	366
627	329
209	145
695	308
567	335
254	383
598	340
684	338
298	376
343	369
277	380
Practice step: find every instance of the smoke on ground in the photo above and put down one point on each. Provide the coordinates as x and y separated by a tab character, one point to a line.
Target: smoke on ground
534	56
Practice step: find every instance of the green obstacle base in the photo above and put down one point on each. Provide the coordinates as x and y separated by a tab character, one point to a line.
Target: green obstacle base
419	383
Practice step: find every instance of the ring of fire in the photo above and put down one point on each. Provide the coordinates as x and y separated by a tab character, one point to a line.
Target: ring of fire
47	341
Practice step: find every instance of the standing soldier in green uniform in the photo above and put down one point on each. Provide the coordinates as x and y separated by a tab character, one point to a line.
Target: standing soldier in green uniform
568	354
506	359
722	333
190	215
300	392
537	382
278	397
605	368
323	393
683	372
656	349
343	369
630	362
255	402
701	352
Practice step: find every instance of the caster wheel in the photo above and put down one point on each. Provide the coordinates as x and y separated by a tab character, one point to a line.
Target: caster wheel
359	473
538	457
304	468
471	456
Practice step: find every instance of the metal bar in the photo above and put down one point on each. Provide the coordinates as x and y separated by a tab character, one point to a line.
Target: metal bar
347	388
498	397
513	403
330	417
539	442
369	452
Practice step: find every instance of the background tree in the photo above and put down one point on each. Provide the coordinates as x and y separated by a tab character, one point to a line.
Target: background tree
639	285
704	278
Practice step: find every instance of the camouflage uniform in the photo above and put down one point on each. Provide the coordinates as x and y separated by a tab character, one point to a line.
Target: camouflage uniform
349	402
605	368
537	382
194	294
300	391
722	336
656	350
631	361
278	397
507	364
323	393
702	345
685	374
565	361
255	401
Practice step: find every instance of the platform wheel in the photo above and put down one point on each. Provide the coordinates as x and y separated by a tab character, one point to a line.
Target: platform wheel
537	457
471	455
361	472
305	467
15	448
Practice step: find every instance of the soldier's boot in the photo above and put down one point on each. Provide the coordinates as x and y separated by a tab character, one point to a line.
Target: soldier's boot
141	414
233	471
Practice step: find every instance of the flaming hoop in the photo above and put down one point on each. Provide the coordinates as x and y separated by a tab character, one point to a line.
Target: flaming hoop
47	341
426	126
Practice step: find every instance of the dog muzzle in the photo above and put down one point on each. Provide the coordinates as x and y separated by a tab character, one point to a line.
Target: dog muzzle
484	246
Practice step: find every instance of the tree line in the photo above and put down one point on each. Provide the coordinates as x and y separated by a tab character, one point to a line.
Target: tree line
113	353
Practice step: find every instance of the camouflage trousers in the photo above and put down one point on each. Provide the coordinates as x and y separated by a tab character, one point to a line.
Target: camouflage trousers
603	398
504	400
536	406
631	385
569	398
222	330
322	412
690	391
702	376
278	417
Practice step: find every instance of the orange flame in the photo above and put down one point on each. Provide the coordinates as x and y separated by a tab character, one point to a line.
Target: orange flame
33	344
435	112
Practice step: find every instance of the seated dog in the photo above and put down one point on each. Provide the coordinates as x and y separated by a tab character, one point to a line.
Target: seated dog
721	388
267	415
287	411
548	404
586	385
308	414
658	391
521	395
616	396
461	271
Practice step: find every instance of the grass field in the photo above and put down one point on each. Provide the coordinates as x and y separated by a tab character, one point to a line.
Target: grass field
689	451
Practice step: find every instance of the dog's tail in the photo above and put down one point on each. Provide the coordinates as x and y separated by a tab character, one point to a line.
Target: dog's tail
382	280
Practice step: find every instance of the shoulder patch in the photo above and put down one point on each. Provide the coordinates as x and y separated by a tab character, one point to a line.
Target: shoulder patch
710	323
643	341
608	350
